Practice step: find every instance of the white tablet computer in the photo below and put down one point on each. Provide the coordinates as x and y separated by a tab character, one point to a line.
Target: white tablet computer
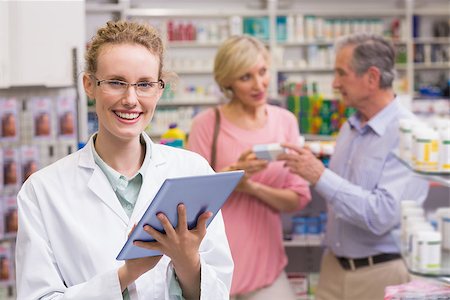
197	193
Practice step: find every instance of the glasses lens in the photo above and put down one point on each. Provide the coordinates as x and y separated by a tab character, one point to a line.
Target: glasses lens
113	87
143	89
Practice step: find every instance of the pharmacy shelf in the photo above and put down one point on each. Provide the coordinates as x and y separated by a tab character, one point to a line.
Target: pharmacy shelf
192	44
316	242
441	178
104	7
442	273
305	69
331	43
432	12
432	40
179	102
192	13
319	137
329	69
193	71
356	11
432	66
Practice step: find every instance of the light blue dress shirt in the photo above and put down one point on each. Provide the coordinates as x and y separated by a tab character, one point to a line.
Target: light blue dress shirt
127	191
364	185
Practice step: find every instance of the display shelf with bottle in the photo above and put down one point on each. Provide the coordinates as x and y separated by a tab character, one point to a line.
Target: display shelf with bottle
306	41
424	149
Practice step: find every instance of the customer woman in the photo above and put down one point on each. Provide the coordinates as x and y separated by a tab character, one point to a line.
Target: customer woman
75	215
252	213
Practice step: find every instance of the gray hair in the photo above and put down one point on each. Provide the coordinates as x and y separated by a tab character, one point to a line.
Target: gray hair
371	50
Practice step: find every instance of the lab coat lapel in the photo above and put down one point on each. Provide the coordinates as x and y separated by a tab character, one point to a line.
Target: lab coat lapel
99	184
154	178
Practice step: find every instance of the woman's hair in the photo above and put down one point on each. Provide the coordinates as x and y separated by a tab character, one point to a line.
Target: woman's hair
235	57
125	32
371	50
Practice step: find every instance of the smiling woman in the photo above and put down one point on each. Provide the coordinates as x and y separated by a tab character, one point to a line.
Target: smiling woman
75	215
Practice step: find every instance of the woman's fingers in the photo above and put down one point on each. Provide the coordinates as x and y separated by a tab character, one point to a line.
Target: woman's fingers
201	222
244	155
182	217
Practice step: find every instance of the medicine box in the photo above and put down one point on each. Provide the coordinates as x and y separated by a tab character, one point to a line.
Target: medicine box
268	151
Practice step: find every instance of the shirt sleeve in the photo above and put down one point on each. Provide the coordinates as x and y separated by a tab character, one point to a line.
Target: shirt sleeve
294	182
376	210
175	291
37	273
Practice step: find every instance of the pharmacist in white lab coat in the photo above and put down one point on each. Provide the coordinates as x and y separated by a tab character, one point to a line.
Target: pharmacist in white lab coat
75	215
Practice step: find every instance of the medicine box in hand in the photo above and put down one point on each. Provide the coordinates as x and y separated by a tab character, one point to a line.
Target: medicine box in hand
268	151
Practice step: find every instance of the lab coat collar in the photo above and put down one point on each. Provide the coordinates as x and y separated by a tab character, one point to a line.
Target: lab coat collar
87	158
100	185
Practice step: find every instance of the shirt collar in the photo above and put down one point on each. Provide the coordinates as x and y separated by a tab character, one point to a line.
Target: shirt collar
378	123
117	180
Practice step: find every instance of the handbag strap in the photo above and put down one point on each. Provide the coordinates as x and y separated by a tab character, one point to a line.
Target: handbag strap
214	141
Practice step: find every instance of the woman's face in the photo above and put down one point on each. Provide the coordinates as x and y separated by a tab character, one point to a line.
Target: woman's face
251	88
125	116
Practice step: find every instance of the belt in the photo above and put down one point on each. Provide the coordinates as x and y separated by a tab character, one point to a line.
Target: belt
355	263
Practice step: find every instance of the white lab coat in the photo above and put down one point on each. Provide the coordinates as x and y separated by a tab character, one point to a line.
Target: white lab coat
72	226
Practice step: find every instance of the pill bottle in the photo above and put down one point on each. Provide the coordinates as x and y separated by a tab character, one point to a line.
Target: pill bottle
443	225
427	250
405	142
406	213
427	150
174	137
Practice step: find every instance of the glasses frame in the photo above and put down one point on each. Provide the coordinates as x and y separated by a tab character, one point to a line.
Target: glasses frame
98	82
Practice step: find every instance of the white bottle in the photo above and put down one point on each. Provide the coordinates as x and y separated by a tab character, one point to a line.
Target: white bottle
414	225
408	212
427	150
299	28
428	250
290	28
417	127
310	28
235	25
443	225
405	143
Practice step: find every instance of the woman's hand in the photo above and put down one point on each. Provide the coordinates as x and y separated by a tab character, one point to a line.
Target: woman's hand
249	163
182	246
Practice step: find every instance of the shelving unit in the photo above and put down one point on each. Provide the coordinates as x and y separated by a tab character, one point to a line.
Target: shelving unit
443	274
192	60
316	242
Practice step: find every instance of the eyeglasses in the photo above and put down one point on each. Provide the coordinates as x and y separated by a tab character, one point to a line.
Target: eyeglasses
118	87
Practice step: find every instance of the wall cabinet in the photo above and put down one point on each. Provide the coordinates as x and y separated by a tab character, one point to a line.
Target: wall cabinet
40	38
